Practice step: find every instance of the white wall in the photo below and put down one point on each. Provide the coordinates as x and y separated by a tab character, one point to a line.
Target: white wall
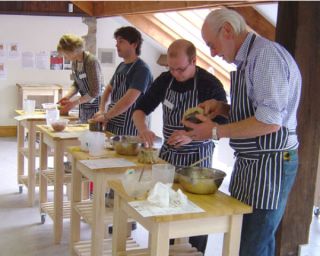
32	33
41	33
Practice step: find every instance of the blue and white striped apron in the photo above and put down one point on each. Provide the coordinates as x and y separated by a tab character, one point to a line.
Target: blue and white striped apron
174	106
88	109
121	124
256	178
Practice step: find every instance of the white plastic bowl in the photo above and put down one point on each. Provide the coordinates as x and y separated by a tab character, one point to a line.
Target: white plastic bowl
136	188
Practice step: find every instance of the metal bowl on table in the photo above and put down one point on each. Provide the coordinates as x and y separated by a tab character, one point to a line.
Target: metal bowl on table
126	145
200	180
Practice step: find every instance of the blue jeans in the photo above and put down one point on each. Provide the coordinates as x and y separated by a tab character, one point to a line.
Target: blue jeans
259	228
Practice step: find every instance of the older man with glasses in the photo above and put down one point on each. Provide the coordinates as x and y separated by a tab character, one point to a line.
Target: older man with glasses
265	94
184	86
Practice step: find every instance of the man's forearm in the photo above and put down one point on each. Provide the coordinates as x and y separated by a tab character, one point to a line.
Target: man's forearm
248	128
139	120
124	103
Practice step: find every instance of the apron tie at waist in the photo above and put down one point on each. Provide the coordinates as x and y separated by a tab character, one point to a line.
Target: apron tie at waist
287	153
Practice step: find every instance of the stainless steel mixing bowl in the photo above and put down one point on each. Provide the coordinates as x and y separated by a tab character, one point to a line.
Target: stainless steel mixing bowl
126	145
200	180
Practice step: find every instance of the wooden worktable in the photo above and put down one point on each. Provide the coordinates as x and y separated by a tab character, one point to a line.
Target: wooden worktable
223	214
100	178
58	141
29	122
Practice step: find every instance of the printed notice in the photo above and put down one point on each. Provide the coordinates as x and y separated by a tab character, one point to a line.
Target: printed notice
13	51
56	61
27	60
3	72
42	60
3	53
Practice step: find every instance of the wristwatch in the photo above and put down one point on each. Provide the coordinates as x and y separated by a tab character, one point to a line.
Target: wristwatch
214	133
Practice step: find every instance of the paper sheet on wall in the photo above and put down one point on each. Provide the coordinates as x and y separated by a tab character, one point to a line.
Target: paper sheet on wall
3	72
27	60
147	209
13	50
42	60
3	53
107	163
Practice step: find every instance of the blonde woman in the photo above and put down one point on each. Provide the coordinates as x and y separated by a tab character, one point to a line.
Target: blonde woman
87	77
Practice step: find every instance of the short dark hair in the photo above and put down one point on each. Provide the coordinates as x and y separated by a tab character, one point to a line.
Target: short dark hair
132	35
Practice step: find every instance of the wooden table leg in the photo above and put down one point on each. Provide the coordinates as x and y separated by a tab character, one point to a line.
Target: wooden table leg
20	156
58	190
160	239
119	234
31	163
43	186
98	209
231	240
75	198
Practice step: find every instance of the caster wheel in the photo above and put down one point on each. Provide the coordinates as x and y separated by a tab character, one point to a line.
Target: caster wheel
110	230
20	189
317	212
43	218
134	225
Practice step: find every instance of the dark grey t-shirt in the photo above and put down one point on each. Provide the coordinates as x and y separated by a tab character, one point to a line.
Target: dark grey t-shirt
139	76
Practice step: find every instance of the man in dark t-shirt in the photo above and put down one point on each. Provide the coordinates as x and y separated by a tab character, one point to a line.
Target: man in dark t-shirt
184	86
129	82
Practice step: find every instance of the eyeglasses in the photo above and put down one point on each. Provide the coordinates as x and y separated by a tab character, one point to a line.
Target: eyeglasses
179	70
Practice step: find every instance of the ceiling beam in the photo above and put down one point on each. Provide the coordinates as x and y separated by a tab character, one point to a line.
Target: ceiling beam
152	27
86	6
45	8
257	22
118	8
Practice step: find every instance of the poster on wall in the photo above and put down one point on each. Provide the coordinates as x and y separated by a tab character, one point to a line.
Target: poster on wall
3	71
13	52
42	60
56	61
3	52
27	60
67	64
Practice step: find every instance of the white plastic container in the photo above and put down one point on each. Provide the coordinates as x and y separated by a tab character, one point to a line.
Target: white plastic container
29	106
96	143
52	112
163	173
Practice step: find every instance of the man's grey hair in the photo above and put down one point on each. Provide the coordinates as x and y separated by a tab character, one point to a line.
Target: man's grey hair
218	17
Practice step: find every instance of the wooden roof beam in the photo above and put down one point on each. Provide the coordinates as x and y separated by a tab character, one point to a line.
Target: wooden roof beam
86	6
148	24
257	22
45	8
118	8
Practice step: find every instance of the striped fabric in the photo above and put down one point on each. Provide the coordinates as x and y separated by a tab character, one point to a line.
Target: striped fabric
256	178
172	116
273	83
121	124
81	76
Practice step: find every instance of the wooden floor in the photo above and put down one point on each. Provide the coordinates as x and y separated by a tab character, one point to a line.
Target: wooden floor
23	234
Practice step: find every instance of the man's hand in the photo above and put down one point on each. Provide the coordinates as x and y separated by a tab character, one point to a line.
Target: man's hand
179	138
98	114
212	108
99	118
202	131
147	136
